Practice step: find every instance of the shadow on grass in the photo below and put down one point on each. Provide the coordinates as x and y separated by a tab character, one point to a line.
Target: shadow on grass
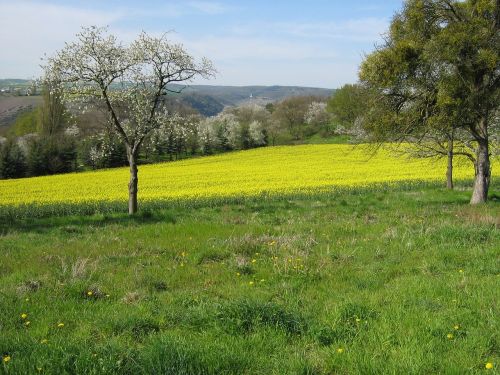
78	224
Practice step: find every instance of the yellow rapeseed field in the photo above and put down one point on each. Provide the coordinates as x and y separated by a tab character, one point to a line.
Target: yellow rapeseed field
284	169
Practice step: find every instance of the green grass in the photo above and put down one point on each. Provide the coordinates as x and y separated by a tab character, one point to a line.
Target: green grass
258	287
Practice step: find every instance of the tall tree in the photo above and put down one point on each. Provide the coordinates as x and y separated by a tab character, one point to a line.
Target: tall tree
130	82
52	113
439	66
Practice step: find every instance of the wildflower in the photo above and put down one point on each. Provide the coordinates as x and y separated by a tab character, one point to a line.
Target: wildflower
449	336
6	358
60	325
44	341
238	274
461	271
340	350
89	293
358	320
254	260
24	316
27	323
183	254
456	327
251	283
488	366
182	264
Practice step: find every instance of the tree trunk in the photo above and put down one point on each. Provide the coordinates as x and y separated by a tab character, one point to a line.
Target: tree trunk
482	167
449	171
132	185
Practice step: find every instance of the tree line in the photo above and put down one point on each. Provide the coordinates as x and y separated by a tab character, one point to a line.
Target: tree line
55	139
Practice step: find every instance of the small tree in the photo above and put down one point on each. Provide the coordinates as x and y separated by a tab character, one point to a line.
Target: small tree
129	81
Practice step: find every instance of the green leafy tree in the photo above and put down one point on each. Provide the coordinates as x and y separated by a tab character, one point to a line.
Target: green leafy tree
12	160
439	70
347	104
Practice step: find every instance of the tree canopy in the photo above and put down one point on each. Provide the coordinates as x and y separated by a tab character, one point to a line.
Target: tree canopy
438	69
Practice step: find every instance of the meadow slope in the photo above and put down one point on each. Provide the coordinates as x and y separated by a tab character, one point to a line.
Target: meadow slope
273	170
384	282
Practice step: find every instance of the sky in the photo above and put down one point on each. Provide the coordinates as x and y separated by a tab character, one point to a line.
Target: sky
311	43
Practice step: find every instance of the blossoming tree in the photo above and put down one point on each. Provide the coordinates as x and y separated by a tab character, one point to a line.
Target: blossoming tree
129	82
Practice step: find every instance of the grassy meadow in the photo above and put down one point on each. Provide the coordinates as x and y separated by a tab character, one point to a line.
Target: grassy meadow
389	279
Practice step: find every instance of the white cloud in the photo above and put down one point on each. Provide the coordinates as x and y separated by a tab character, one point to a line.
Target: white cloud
31	29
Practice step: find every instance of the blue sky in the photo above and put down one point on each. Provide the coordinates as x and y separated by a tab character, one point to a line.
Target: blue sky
308	43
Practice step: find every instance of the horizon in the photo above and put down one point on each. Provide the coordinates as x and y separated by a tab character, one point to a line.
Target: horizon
319	45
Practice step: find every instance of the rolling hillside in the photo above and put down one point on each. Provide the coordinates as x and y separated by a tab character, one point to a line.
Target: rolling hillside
207	99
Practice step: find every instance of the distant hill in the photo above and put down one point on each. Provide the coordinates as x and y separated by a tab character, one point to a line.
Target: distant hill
211	100
235	95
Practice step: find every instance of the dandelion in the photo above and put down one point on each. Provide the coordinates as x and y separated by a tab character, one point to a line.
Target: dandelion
238	274
254	260
89	293
461	271
449	336
340	350
250	283
488	366
456	327
60	325
24	316
6	358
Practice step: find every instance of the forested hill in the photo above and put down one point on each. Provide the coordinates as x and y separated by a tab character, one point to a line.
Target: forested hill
210	100
235	95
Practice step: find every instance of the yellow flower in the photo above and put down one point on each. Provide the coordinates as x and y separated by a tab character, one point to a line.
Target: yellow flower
488	366
24	316
60	325
89	293
250	283
27	323
449	336
461	271
340	350
6	358
358	320
44	341
254	260
238	274
183	254
456	327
